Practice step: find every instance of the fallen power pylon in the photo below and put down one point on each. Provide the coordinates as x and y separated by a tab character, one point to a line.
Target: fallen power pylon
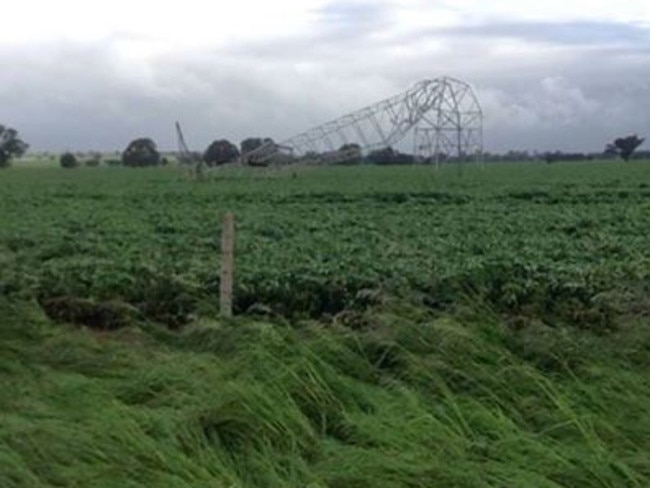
442	115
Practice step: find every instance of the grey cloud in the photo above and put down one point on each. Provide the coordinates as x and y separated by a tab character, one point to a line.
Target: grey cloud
563	113
563	33
344	29
64	96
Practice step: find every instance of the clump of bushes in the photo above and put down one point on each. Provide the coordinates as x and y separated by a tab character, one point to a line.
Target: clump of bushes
92	162
141	152
68	160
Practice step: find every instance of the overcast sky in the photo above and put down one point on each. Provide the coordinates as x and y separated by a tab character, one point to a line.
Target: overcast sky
552	74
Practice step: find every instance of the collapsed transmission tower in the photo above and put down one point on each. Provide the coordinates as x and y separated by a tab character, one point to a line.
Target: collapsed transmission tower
443	115
187	157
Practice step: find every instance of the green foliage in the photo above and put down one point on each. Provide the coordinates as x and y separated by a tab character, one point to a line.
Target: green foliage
395	327
220	152
409	401
252	143
68	160
141	152
388	155
11	146
352	152
93	162
624	146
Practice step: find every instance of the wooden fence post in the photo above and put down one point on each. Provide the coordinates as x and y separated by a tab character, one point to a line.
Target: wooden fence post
227	264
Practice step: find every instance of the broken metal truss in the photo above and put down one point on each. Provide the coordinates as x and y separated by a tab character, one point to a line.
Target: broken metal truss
443	115
185	156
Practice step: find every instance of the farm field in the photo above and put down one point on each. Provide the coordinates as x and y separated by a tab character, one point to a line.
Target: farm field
394	327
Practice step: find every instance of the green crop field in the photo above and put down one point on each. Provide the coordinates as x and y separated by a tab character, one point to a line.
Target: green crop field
394	327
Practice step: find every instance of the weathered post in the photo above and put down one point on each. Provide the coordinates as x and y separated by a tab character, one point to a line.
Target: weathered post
227	264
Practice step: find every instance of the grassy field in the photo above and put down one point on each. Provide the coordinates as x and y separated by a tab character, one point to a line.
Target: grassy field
395	327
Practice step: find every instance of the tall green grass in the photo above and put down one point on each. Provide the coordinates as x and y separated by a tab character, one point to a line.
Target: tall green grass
397	327
411	399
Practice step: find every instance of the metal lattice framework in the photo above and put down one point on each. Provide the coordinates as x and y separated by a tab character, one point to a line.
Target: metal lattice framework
185	155
443	115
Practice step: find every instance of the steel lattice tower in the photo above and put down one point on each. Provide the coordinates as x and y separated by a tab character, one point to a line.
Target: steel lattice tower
443	116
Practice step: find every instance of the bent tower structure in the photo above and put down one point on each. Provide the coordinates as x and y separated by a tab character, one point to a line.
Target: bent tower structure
442	115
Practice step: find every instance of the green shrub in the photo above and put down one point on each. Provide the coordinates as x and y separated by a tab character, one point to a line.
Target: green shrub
92	163
68	160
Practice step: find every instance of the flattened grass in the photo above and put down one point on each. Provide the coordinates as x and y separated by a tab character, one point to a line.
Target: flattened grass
399	327
403	402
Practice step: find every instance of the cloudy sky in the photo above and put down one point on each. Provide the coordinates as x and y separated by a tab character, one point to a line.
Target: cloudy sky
552	74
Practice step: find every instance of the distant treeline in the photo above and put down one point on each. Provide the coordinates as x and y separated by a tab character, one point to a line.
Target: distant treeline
258	151
557	156
386	156
143	152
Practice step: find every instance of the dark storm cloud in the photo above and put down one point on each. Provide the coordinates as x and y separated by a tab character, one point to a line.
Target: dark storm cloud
562	86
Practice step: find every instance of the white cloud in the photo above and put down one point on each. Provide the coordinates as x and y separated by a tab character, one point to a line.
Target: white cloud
627	11
193	23
90	74
189	23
